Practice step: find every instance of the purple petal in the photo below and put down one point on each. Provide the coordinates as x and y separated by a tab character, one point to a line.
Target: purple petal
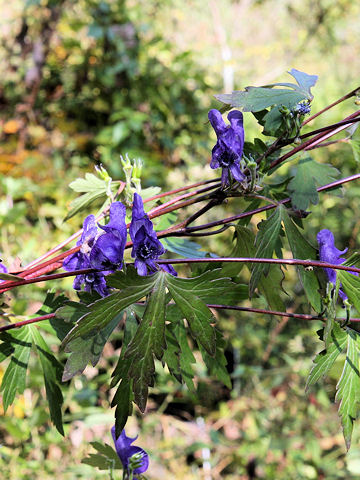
236	172
125	450
236	120
89	230
141	267
108	252
168	269
224	177
138	207
330	254
3	269
116	224
215	155
217	122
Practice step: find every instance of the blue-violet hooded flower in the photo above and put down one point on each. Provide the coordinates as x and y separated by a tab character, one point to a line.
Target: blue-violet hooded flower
108	250
330	254
146	246
125	451
81	260
103	252
229	147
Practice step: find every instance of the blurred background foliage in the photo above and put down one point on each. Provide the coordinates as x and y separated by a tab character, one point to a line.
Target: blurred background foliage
84	81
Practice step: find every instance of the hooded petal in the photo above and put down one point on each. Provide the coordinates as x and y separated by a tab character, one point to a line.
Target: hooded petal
217	122
89	230
125	450
116	224
330	254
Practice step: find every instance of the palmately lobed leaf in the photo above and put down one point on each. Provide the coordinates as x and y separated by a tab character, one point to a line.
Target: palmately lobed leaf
309	174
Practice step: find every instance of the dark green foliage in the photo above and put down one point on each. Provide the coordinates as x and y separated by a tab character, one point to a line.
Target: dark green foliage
309	175
52	370
302	249
17	345
267	240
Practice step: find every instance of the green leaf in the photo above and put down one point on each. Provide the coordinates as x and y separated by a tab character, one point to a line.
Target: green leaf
301	248
351	286
123	397
194	310
149	341
123	401
355	145
14	379
66	316
309	174
348	387
105	459
186	356
217	364
102	311
52	374
84	350
93	188
270	286
326	358
172	353
267	240
304	80
255	99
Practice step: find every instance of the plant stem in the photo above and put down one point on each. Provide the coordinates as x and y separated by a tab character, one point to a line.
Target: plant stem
301	316
277	261
313	141
177	261
345	97
26	322
184	231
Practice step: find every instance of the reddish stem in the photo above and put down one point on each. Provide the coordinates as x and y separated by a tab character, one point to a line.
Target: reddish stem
26	322
313	141
301	316
345	97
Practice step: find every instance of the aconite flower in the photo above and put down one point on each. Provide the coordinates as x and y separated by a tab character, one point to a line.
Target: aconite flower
228	150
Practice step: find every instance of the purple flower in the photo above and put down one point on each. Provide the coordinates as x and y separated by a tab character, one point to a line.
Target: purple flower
108	251
146	246
229	146
330	254
81	259
3	269
103	252
302	108
126	453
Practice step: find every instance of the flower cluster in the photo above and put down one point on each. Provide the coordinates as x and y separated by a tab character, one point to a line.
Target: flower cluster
229	147
330	254
134	459
302	108
101	251
105	251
